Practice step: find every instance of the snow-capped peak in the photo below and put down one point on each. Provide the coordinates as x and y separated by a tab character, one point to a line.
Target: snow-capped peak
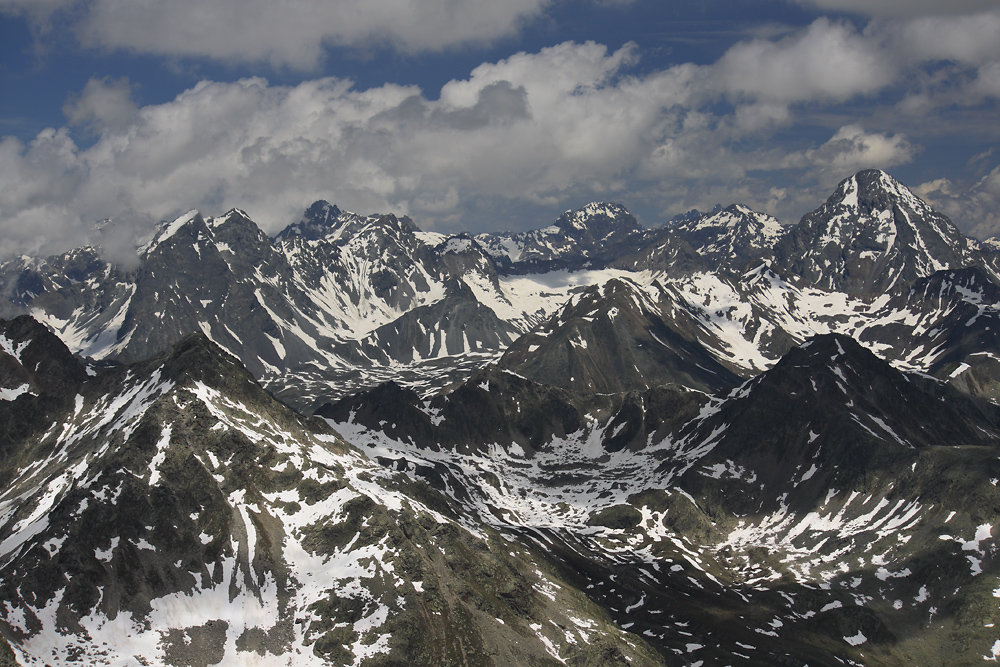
459	243
991	244
873	235
226	217
600	219
167	230
584	232
874	189
318	221
733	236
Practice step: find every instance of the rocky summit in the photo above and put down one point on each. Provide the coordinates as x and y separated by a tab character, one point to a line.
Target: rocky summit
721	441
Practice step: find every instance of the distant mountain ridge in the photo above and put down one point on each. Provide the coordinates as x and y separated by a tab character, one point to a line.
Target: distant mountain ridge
595	232
732	237
338	301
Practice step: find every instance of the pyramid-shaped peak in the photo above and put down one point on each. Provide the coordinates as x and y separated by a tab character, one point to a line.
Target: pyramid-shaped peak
617	295
825	347
322	209
877	178
318	221
45	360
613	288
874	189
234	217
234	213
834	361
873	235
197	358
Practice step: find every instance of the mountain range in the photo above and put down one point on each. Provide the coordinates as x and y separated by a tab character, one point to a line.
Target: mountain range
719	441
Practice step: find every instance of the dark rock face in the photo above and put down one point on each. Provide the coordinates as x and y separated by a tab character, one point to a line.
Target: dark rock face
319	221
834	406
498	407
38	376
455	325
612	338
187	279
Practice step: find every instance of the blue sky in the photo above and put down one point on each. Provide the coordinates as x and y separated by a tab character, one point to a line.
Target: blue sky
477	115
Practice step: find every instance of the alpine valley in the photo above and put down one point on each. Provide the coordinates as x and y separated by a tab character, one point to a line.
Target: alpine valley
722	441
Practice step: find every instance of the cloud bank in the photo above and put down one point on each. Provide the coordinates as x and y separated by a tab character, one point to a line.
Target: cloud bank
976	209
902	8
292	34
557	128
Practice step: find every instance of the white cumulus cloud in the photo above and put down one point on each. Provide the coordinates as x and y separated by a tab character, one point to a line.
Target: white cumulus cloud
851	149
103	104
828	61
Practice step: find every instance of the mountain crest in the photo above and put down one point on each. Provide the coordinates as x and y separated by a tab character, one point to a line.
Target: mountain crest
598	222
169	229
872	236
875	190
831	412
320	220
612	337
823	350
732	237
578	236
